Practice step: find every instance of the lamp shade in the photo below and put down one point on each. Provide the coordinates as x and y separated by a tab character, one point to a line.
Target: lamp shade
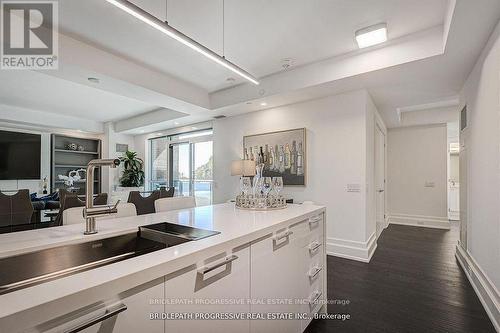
243	168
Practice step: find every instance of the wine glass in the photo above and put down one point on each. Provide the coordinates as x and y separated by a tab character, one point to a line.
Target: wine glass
278	185
267	185
258	186
245	185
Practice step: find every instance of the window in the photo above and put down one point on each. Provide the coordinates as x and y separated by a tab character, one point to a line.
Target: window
158	163
184	161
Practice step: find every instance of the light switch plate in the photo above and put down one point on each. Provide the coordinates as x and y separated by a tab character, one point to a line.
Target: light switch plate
353	188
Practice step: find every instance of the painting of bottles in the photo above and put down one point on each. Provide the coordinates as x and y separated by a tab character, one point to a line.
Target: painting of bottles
283	154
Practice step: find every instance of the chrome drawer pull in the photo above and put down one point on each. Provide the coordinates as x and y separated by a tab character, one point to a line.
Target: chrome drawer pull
283	235
227	260
316	297
316	271
315	219
108	314
314	246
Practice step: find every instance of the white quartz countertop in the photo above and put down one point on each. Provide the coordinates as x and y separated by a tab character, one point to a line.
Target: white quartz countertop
236	227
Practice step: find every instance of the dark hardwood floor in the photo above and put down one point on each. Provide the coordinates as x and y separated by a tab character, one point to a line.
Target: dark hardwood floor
412	284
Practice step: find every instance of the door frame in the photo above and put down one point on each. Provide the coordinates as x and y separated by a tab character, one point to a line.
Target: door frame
380	127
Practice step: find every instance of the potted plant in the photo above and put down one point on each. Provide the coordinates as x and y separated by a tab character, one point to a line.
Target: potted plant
133	173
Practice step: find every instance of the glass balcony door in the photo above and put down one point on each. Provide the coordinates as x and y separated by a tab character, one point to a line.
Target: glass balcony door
191	170
181	171
202	172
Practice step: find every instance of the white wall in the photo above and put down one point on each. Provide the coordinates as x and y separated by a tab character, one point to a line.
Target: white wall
481	94
111	177
338	144
417	158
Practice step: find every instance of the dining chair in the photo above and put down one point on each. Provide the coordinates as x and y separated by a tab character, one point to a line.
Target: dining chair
70	200
15	209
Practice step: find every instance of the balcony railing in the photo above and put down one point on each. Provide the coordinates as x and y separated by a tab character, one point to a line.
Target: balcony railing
202	189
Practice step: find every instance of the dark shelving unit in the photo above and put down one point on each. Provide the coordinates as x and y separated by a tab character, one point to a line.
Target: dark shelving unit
64	160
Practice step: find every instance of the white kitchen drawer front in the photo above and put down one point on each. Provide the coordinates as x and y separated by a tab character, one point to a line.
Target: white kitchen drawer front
219	285
275	279
315	223
128	313
314	300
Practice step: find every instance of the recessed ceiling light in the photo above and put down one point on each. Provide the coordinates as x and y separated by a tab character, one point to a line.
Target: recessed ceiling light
371	35
80	131
263	104
93	80
159	134
176	123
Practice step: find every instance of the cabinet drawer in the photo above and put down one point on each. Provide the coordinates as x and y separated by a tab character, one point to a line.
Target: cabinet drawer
315	223
217	285
314	300
129	312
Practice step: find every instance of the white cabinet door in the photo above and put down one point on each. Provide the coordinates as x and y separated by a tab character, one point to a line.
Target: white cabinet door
142	303
275	279
129	313
220	285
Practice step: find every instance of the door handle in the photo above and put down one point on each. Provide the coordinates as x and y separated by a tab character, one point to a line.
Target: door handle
98	319
380	191
286	234
227	260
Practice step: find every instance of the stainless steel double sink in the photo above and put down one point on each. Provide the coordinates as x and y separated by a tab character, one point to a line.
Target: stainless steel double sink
33	268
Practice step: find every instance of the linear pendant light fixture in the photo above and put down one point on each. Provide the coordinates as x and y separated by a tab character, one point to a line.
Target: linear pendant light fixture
159	25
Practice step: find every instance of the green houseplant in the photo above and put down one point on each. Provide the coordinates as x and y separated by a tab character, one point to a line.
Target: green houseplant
133	174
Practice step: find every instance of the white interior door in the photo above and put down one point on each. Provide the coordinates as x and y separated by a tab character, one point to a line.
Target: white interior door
380	179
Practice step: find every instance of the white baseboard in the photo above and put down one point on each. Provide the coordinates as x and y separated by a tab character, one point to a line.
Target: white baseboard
484	288
420	221
360	251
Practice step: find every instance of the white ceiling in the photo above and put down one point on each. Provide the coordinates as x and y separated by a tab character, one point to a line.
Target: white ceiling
37	91
259	34
143	70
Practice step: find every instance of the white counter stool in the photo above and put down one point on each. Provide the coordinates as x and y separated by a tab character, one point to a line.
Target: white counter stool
75	215
174	203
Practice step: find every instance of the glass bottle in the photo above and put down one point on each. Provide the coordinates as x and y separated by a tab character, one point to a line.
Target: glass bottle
266	156
270	161
293	158
287	157
282	159
300	161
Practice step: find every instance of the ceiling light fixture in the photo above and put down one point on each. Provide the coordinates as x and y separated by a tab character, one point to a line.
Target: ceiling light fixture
159	25
263	104
371	35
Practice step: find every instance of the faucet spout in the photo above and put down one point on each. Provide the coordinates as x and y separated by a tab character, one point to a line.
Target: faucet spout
90	212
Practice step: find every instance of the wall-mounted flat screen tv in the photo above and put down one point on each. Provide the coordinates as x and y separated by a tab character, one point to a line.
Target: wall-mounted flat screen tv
19	155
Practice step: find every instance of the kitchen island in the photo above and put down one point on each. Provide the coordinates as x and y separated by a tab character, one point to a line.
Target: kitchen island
265	270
